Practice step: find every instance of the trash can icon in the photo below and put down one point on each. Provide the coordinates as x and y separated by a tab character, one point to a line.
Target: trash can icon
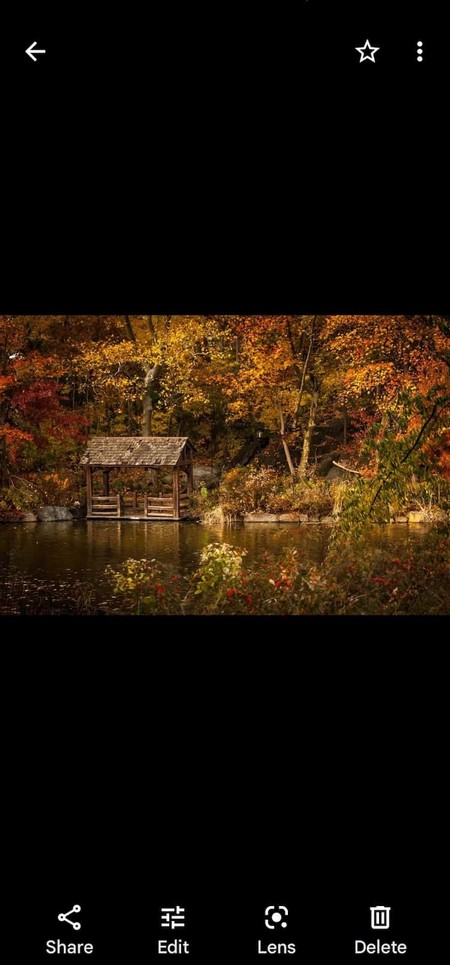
379	916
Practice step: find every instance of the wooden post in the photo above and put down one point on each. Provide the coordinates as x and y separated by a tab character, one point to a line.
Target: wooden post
135	500
176	493
145	504
106	482
119	504
89	490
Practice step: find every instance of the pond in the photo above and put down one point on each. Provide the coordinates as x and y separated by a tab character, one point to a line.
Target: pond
54	567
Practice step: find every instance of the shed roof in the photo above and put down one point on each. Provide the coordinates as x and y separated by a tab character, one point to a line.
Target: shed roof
150	451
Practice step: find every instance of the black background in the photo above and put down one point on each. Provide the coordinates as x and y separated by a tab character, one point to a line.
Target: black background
225	778
224	161
227	160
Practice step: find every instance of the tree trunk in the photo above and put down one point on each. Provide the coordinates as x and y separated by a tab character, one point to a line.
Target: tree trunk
4	475
129	328
308	435
304	372
285	445
151	374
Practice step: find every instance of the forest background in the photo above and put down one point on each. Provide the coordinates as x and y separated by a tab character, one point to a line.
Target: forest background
268	401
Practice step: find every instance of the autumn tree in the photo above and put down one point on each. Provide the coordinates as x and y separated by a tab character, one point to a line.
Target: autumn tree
378	359
281	378
164	367
37	427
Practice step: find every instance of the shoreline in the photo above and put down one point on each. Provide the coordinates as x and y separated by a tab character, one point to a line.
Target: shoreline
251	519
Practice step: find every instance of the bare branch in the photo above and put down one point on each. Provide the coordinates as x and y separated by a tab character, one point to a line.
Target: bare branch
432	415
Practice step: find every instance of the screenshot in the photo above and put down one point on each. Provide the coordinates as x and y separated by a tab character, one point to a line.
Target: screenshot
225	484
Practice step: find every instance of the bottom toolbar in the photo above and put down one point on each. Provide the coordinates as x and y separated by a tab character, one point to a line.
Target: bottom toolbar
205	930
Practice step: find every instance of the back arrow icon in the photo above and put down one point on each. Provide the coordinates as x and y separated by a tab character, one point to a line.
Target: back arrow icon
31	51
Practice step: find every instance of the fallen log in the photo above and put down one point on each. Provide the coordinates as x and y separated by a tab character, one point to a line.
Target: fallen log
346	468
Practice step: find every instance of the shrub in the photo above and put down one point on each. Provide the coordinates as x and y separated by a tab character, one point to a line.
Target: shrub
57	488
360	578
357	577
272	586
251	489
314	497
143	586
117	486
246	490
204	503
339	489
430	496
221	585
219	573
18	499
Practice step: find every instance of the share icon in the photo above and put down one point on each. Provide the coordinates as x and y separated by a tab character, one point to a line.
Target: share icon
65	917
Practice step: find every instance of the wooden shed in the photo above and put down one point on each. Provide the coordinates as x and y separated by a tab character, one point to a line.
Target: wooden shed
161	456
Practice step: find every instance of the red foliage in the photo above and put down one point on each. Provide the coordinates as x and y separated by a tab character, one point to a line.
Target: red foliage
14	438
40	404
35	398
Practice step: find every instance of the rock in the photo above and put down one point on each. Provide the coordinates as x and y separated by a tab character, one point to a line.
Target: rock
260	518
204	476
28	518
48	514
326	463
288	518
400	519
418	516
303	518
78	512
328	520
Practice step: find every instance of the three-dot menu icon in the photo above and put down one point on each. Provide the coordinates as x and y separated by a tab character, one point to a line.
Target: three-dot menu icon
419	51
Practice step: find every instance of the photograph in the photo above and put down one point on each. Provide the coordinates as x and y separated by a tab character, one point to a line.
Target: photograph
222	465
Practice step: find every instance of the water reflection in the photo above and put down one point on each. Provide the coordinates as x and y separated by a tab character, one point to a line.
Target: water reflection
41	563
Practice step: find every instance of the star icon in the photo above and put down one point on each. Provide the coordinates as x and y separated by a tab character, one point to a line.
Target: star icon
367	52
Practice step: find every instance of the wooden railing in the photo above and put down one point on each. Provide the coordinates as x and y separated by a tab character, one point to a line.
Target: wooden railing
142	506
184	500
159	505
106	505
